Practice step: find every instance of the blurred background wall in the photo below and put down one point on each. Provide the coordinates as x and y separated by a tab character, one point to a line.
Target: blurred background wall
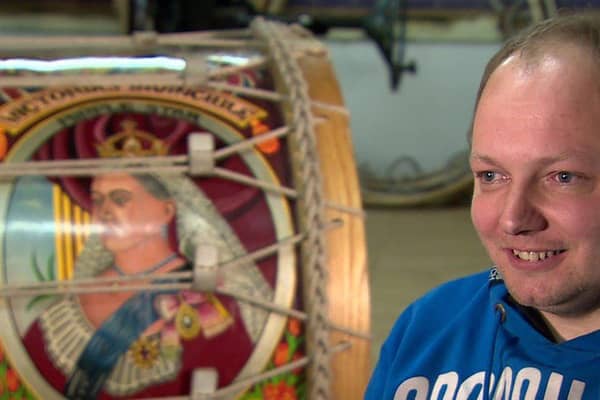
428	117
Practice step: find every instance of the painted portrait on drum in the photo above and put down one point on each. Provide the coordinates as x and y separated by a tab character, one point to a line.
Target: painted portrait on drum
137	343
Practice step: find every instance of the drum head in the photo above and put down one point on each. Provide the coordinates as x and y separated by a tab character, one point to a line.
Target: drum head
129	280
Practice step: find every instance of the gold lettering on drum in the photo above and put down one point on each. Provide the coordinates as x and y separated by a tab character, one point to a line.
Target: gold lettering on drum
84	113
174	112
235	109
18	115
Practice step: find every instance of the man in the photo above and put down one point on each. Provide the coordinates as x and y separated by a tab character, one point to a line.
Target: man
530	328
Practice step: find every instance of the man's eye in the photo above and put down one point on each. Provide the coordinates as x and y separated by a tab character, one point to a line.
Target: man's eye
487	176
564	177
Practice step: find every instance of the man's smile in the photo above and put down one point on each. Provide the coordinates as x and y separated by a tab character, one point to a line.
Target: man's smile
535	255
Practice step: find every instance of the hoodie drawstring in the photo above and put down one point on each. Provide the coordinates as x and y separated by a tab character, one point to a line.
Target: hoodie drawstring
500	310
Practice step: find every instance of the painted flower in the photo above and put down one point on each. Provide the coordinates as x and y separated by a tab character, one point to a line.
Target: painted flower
279	391
289	385
12	380
269	146
294	327
270	391
282	354
287	392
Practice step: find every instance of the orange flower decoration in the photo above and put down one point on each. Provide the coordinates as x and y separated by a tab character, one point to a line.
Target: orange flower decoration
294	326
279	391
287	392
282	354
271	391
268	146
12	380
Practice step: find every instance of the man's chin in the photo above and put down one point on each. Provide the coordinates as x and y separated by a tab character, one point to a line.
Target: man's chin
563	304
529	294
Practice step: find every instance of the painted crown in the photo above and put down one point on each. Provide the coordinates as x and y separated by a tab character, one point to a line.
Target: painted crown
132	142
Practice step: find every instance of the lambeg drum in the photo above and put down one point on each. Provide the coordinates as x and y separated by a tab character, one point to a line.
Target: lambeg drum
181	219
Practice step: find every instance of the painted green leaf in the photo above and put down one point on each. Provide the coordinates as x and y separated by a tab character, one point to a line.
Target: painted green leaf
39	299
35	268
51	271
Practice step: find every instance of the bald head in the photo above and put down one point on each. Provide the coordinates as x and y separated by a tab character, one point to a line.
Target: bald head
548	40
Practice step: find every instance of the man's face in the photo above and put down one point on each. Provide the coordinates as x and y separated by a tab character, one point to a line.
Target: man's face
126	213
536	159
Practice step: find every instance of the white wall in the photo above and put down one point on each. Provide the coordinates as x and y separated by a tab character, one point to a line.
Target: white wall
427	118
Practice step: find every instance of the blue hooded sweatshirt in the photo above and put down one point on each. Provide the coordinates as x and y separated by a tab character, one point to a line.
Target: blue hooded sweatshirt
467	340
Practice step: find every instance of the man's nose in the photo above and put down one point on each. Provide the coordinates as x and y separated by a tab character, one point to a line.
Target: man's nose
521	213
